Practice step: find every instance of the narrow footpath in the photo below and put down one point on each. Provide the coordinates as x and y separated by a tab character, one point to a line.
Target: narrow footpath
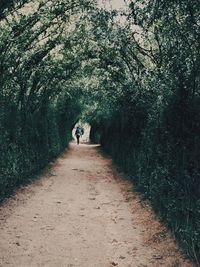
82	213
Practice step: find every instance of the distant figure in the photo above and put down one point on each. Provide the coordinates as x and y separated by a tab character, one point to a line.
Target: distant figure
78	133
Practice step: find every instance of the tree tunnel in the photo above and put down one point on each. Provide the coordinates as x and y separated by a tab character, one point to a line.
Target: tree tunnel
133	75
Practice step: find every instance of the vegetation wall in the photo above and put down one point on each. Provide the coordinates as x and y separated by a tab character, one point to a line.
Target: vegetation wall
133	75
152	125
40	99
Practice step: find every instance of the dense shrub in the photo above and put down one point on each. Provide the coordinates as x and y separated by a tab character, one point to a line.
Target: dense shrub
163	160
27	146
153	129
39	93
136	81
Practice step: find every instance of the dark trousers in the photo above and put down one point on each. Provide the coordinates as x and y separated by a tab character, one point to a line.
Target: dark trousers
77	137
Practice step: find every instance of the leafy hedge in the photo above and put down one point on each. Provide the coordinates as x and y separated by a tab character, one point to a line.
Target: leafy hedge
151	126
136	79
40	95
162	157
28	143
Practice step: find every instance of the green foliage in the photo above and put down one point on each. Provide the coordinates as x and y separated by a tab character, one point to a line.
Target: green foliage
136	82
151	127
40	98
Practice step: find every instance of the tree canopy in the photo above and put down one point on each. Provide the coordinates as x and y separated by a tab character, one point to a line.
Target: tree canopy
132	74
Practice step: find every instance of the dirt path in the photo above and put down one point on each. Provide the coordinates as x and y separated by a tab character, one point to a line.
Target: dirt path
83	214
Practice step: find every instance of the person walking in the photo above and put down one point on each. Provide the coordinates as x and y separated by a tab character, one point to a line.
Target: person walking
78	134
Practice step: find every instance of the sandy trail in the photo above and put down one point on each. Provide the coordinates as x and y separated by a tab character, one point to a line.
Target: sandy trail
82	213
